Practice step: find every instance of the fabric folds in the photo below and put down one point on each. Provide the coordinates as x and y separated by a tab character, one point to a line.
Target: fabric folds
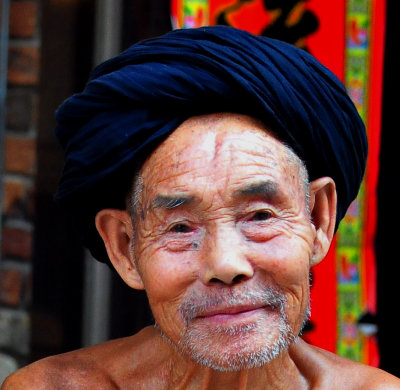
133	101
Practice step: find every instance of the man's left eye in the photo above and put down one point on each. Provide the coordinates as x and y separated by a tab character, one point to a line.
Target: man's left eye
261	216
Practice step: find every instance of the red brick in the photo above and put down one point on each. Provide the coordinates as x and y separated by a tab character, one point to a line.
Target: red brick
11	282
23	65
16	243
13	197
20	155
23	19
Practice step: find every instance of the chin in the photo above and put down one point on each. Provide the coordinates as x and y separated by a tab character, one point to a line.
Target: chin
236	348
239	341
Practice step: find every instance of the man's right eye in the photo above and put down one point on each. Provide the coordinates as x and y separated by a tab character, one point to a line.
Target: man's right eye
180	228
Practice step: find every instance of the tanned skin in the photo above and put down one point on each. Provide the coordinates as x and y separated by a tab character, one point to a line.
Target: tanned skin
222	239
146	361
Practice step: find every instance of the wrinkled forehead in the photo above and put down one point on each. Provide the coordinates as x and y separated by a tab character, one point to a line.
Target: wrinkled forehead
207	137
223	144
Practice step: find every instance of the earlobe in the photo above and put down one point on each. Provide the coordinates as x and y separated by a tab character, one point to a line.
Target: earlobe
115	228
323	215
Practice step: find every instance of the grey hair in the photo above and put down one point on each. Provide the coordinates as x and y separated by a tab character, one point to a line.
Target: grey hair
132	200
135	191
294	159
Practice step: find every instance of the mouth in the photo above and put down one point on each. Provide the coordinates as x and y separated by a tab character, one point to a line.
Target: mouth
234	308
232	314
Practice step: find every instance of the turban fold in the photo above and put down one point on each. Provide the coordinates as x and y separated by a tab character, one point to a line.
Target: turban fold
135	100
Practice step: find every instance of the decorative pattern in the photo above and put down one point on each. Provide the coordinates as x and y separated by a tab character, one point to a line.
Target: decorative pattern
350	260
190	13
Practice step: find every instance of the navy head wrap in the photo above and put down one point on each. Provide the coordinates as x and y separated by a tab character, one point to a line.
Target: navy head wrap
133	101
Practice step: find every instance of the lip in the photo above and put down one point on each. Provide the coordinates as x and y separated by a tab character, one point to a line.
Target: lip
230	314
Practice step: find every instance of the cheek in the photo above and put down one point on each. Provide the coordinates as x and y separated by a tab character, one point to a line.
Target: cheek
166	276
288	261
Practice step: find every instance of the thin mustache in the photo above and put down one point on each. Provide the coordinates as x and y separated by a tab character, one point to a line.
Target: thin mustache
219	301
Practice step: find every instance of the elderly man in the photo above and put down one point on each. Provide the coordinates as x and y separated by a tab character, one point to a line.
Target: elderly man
211	168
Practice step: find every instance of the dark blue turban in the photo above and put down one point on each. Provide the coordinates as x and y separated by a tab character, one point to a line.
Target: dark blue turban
133	101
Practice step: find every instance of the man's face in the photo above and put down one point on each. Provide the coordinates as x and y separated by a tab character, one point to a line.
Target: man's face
224	242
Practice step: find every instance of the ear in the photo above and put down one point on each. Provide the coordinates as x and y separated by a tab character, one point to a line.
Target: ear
115	228
323	215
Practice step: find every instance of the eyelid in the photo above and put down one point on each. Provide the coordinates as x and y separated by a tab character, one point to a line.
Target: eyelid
251	213
174	224
266	212
254	206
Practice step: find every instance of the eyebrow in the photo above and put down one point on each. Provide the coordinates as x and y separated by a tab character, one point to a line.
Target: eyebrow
266	189
170	202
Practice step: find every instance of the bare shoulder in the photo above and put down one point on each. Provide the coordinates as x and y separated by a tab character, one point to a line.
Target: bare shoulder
99	367
73	370
328	371
56	372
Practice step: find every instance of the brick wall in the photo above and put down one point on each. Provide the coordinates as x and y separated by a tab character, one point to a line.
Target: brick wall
18	184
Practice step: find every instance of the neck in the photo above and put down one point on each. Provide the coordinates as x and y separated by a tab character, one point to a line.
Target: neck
280	373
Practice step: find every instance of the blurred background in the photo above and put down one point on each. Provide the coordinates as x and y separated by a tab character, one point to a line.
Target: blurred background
53	296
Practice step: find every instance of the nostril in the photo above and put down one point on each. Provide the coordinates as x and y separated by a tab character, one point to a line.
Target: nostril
235	280
216	280
238	278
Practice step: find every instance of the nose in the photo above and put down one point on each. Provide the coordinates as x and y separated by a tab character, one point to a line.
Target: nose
224	258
